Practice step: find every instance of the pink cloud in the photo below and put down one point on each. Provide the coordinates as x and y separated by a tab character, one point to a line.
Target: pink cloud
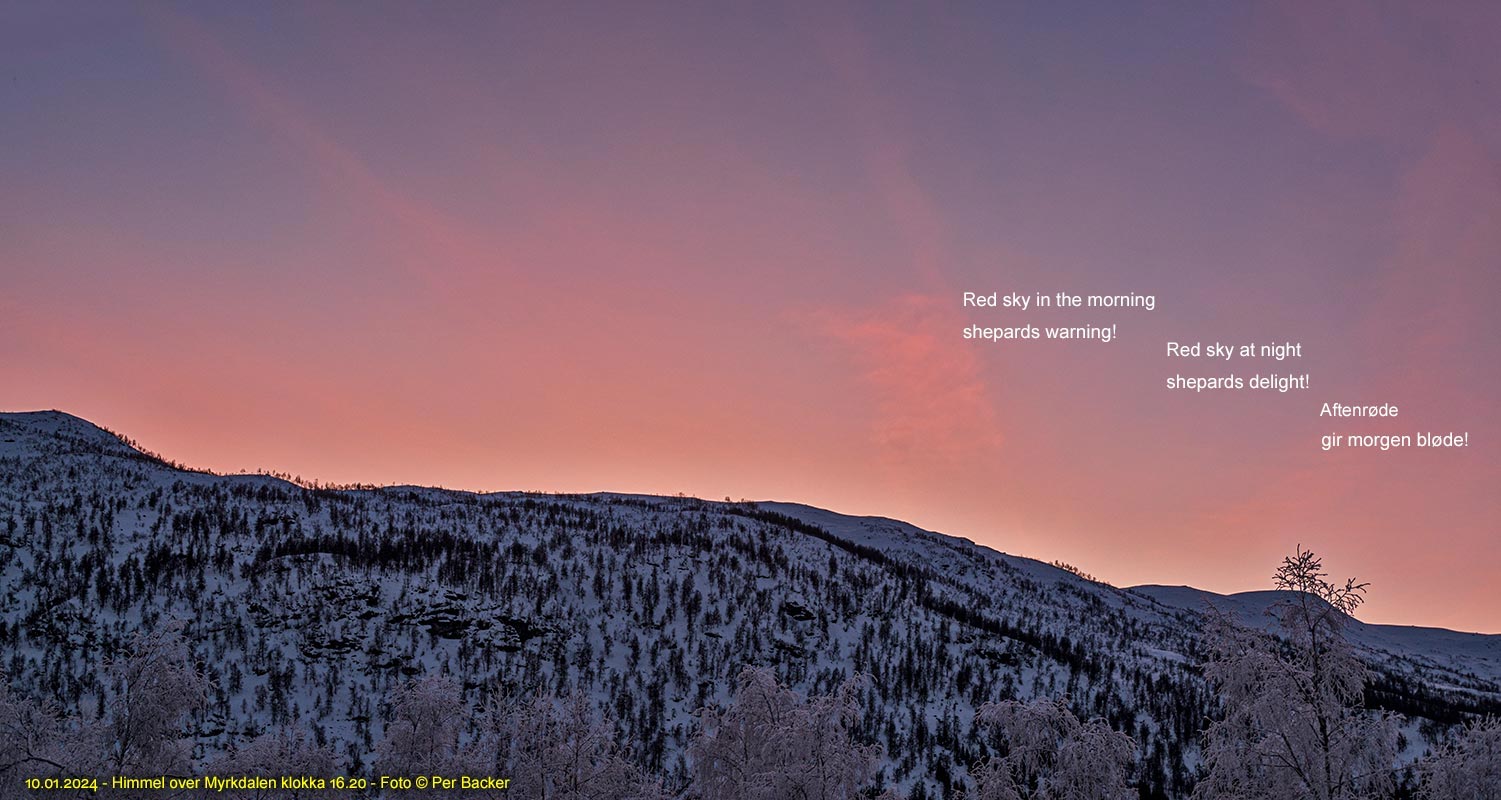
932	404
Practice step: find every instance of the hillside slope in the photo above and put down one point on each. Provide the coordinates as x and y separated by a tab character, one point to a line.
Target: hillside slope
307	606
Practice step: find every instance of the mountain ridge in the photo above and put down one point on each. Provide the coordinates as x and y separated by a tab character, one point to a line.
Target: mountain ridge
62	423
296	595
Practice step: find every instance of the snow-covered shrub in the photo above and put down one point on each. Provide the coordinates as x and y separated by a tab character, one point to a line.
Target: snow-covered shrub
1468	769
287	751
157	686
559	749
1049	754
30	735
423	736
769	744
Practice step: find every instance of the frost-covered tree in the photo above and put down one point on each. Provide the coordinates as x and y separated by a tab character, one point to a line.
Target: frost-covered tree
561	750
287	751
30	734
1293	727
1049	754
1468	769
423	736
769	744
156	687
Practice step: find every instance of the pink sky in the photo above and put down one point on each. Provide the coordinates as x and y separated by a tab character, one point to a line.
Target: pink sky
721	253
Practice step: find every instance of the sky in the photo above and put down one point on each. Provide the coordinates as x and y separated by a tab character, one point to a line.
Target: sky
719	249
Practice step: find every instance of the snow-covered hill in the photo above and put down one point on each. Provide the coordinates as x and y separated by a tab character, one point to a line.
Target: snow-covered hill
1439	656
309	605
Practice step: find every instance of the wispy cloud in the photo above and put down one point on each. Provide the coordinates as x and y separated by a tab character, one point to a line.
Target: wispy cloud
1389	71
413	223
932	404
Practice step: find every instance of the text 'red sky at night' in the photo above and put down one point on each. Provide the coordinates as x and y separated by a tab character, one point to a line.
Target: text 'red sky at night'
719	250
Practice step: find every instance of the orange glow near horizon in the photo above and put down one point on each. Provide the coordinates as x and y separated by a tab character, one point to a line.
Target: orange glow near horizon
722	255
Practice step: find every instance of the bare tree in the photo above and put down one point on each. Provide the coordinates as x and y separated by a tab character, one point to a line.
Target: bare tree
1293	726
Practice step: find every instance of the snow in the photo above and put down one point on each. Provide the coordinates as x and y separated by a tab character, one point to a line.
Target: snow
1467	658
312	607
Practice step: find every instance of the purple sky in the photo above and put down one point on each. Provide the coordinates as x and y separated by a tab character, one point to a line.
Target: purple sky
719	250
